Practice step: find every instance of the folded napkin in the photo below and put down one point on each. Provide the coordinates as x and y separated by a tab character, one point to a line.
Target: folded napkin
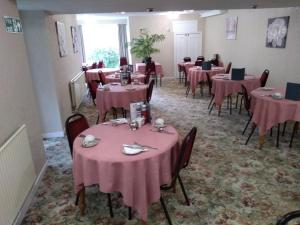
132	149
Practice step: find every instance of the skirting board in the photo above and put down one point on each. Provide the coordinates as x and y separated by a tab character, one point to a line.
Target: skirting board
54	134
30	196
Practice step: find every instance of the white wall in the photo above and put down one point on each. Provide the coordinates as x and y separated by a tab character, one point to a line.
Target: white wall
51	72
161	24
18	103
249	49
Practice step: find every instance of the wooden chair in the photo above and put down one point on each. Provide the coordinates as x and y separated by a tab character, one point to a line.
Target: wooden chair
149	91
264	78
187	59
201	58
74	126
209	81
123	61
295	129
180	71
100	64
182	162
94	65
228	68
92	86
151	69
198	63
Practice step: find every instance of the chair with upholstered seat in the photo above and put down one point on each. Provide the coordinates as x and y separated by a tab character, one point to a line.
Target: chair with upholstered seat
284	220
181	163
123	61
149	91
74	126
264	78
201	58
151	69
198	63
187	59
92	86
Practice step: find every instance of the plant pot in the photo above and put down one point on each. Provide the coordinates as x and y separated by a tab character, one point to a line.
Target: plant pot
147	60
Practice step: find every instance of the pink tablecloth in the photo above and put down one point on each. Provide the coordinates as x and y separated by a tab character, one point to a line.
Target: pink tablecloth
141	67
222	88
196	74
268	112
112	78
93	74
137	177
187	65
119	97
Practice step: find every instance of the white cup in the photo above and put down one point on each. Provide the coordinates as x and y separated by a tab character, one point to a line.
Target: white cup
89	139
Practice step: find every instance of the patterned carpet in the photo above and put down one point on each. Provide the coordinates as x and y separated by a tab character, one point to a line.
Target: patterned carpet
228	183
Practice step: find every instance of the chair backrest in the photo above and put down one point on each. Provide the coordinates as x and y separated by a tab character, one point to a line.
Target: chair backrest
92	86
228	68
201	58
94	65
130	68
187	59
264	78
288	217
147	78
100	74
184	154
247	100
74	125
198	63
150	68
129	79
123	61
100	64
209	81
150	90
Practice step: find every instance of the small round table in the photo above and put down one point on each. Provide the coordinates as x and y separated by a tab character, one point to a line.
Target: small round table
137	177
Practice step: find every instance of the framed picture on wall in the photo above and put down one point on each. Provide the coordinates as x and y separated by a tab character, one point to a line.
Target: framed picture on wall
231	27
61	38
277	32
12	24
75	41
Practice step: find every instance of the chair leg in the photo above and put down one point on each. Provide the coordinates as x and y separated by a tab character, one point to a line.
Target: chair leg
250	135
230	105
165	210
237	100
211	100
156	80
278	134
247	125
77	199
187	91
293	134
212	106
271	132
284	127
110	205
129	213
183	191
98	117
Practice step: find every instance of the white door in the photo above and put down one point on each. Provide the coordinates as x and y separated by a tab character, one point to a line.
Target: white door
186	45
180	49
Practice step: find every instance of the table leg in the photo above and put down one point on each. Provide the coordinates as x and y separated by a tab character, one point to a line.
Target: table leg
261	141
143	222
82	201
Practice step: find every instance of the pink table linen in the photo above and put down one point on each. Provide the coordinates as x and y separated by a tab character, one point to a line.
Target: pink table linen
268	112
187	65
141	67
196	74
222	88
112	78
93	74
119	97
137	177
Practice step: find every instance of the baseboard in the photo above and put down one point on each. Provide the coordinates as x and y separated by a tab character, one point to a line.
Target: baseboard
30	196
54	134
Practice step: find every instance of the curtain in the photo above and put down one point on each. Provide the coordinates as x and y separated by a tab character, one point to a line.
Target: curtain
80	35
122	41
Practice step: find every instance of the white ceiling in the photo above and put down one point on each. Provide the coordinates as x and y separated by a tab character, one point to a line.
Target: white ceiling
108	6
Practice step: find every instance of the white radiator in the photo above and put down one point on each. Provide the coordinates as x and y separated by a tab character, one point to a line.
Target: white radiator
77	90
17	175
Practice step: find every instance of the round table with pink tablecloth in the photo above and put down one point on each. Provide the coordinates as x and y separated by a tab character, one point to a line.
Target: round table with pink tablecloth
93	74
138	177
223	86
268	112
196	75
119	97
112	78
141	68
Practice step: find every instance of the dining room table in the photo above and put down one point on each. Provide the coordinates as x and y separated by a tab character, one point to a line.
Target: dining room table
196	75
93	74
268	111
137	177
113	78
115	95
223	86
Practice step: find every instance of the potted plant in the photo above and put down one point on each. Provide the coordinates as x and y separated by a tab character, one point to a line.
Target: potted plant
142	46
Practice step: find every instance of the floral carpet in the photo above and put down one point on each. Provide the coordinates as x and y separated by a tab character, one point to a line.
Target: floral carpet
227	182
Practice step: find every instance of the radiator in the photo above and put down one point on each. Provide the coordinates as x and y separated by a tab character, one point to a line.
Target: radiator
77	90
17	175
